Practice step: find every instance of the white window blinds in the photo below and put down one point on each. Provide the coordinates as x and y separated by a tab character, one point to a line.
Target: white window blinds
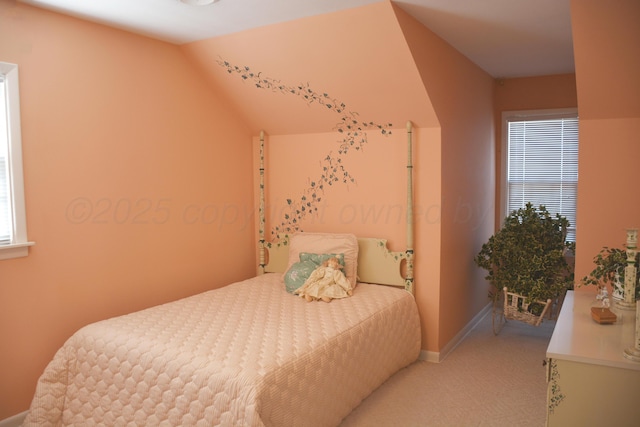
543	165
5	196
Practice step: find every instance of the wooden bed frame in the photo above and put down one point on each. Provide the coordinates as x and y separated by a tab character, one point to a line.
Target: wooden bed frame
376	263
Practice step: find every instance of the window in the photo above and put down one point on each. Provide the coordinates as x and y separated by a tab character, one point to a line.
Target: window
13	226
541	162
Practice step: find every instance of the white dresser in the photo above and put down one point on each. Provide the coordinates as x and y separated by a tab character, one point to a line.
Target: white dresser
590	382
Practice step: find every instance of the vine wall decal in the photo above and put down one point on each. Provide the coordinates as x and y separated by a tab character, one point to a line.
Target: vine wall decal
354	136
557	395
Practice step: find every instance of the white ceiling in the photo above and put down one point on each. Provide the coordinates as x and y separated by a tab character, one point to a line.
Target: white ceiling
506	38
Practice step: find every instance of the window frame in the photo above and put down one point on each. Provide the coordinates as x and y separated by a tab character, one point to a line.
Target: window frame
19	244
542	114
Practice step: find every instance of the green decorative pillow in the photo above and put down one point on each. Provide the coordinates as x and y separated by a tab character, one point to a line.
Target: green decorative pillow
300	271
298	274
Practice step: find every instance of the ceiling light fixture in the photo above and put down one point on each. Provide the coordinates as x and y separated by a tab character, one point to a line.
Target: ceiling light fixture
198	2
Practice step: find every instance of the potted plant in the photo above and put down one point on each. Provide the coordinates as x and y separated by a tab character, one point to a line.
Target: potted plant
609	270
527	258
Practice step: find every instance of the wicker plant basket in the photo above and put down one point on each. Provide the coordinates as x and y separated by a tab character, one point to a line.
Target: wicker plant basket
516	307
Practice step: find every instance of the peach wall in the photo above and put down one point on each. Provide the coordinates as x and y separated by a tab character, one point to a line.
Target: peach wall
461	94
535	93
128	157
528	93
606	39
374	204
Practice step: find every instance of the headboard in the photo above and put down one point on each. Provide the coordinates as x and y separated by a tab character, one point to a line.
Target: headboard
376	263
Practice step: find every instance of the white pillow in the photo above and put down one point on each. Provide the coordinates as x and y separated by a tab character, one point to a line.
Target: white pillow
327	243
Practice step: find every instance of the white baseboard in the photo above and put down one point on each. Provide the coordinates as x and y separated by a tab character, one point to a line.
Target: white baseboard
15	421
429	356
436	357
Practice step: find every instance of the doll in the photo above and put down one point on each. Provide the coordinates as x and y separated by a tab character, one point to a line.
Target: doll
326	282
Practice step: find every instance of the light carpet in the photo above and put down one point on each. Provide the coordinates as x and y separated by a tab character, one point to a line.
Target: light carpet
488	380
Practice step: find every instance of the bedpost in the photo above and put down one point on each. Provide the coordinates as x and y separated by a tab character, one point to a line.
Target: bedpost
409	270
261	210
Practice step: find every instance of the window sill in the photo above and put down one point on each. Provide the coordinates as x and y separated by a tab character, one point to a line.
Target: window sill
15	250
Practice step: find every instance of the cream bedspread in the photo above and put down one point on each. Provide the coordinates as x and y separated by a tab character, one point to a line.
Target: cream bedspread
248	354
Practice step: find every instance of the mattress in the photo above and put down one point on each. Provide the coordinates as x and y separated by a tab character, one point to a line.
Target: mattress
247	354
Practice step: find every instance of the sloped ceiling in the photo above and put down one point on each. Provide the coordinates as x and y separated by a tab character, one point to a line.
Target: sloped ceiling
319	73
506	38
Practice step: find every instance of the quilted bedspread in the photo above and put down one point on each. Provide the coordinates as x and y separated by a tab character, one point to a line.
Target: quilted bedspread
248	354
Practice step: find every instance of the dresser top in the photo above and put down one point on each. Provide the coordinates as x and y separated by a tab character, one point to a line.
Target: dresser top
577	337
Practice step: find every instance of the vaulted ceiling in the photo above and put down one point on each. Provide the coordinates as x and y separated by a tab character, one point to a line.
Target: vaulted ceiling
506	38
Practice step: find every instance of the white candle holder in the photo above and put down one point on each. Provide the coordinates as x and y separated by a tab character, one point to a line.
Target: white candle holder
630	270
633	352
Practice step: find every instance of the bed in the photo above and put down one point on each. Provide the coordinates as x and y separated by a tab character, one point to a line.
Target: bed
248	354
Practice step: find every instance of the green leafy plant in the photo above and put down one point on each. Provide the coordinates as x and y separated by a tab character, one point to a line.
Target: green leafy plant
528	255
608	262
